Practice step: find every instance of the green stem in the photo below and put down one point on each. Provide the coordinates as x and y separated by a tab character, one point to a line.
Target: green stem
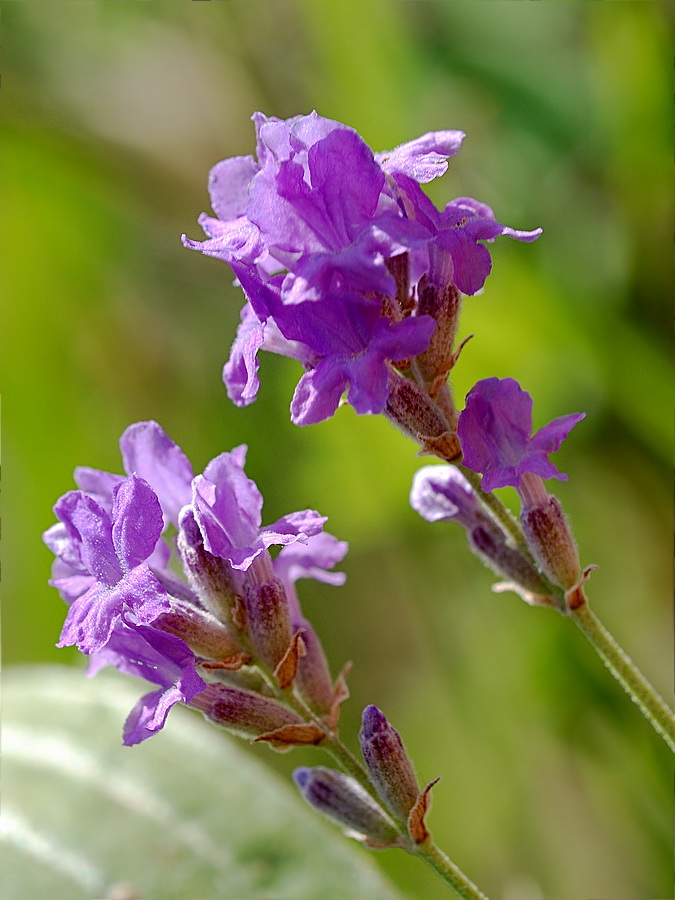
426	851
653	707
448	871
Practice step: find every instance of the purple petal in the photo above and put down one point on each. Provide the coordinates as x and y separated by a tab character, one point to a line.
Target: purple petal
137	521
295	526
229	182
494	433
311	560
240	373
472	262
147	451
425	158
92	617
99	485
318	392
227	506
158	657
90	528
549	438
442	492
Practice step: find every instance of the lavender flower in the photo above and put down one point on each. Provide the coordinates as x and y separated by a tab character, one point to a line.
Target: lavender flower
129	609
330	243
442	493
494	431
107	555
227	507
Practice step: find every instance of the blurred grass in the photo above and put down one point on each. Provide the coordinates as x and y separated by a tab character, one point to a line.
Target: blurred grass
553	786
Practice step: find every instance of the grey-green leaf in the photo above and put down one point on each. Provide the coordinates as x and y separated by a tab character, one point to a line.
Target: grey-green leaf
186	814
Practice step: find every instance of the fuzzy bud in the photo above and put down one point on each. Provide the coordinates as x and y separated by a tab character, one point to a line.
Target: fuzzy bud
201	631
268	620
242	712
409	407
443	304
489	542
342	799
390	770
551	542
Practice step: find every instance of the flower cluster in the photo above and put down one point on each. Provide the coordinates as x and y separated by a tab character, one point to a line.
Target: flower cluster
347	266
218	638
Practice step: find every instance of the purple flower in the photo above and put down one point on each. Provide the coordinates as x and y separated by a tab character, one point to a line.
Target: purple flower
494	431
227	507
160	658
440	493
452	251
315	230
107	553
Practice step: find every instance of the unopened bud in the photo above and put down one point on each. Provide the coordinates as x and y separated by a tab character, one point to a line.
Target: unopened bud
443	304
201	631
489	542
243	712
409	407
390	770
313	679
342	799
551	542
210	577
268	620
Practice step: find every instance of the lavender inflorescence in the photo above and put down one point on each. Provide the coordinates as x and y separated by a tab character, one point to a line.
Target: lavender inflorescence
349	268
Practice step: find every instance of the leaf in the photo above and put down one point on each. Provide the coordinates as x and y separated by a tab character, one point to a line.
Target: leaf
186	814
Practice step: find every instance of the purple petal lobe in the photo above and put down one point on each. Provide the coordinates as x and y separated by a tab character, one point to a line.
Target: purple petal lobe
137	521
425	158
150	453
494	431
90	528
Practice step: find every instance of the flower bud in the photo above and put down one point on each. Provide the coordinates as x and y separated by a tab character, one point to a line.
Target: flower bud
268	620
242	712
210	577
489	542
443	493
551	542
313	679
390	770
201	631
443	304
409	407
342	799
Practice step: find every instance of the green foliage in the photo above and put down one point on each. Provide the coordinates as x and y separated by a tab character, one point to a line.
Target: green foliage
186	814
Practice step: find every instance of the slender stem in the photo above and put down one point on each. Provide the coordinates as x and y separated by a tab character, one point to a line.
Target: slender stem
427	851
448	871
653	707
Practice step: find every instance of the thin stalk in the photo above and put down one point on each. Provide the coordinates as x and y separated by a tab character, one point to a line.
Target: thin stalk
427	851
448	871
651	704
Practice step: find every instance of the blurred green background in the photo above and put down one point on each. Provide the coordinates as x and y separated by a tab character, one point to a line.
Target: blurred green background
553	786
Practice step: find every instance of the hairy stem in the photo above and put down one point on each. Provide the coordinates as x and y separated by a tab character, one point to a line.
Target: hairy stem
448	871
651	704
